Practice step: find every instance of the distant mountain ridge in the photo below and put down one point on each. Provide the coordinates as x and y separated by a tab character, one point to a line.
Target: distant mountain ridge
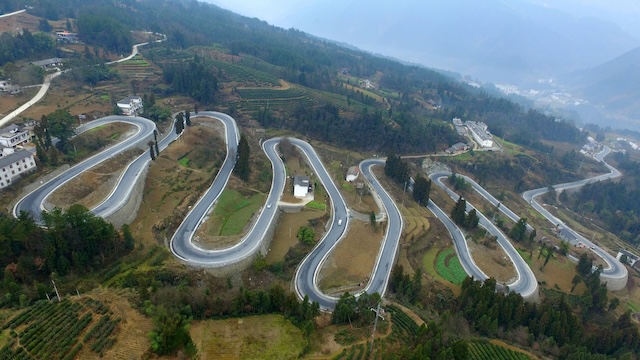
613	84
497	40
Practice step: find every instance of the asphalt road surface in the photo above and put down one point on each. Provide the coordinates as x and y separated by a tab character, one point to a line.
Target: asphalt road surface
614	270
33	202
525	284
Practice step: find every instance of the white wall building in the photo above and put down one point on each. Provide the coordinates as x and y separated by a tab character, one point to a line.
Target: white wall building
13	135
131	105
301	186
352	173
480	133
13	164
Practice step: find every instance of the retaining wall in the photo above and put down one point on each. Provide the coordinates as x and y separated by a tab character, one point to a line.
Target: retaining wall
128	212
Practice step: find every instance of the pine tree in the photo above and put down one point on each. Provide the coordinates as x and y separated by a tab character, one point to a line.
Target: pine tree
472	220
458	213
421	190
187	118
242	168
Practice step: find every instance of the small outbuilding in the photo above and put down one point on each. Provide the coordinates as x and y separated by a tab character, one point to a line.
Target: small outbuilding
353	173
301	186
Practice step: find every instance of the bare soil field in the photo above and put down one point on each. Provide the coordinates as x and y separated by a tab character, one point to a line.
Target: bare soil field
349	265
8	103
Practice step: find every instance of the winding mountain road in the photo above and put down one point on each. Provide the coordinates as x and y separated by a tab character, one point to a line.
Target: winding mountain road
525	283
615	274
34	202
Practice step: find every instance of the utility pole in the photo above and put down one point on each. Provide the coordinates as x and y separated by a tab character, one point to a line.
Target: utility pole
56	289
375	324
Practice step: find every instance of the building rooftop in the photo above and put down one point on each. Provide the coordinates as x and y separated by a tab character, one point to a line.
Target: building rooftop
300	180
629	255
10	130
128	99
475	127
353	170
16	156
46	62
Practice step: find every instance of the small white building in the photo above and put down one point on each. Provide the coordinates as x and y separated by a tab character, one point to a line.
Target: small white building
301	186
13	135
4	85
13	164
131	105
353	173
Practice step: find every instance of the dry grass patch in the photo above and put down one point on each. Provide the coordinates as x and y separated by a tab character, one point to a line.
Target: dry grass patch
493	261
349	265
133	328
91	187
170	187
284	237
253	337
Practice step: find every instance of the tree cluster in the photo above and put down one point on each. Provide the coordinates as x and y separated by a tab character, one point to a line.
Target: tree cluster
519	231
352	310
72	241
488	311
195	78
406	287
397	169
25	46
102	29
421	190
459	215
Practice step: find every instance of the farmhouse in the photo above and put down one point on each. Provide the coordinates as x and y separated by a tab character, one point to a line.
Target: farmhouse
66	37
13	135
352	173
13	164
456	148
301	186
131	105
48	64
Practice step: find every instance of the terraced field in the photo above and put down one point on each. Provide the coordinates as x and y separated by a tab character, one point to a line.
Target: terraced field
245	74
54	330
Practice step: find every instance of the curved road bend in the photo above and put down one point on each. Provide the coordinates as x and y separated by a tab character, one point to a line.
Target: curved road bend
306	276
33	202
181	243
526	283
615	270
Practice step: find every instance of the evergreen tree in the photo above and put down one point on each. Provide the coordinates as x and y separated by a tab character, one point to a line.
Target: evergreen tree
242	168
187	118
421	190
471	222
519	230
458	214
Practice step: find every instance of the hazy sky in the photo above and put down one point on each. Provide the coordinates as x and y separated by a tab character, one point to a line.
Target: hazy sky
624	13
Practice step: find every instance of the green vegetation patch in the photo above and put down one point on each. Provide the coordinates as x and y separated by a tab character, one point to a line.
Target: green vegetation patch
49	330
448	266
184	162
233	211
315	205
428	261
482	350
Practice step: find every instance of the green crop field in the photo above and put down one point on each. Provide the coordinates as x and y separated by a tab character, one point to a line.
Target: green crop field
489	351
246	74
452	271
50	330
233	211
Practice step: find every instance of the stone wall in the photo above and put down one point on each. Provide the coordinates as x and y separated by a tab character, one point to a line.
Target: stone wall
128	212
